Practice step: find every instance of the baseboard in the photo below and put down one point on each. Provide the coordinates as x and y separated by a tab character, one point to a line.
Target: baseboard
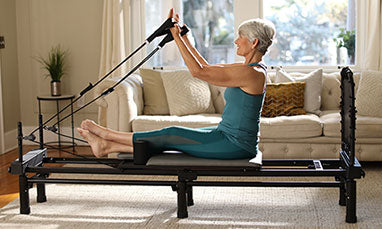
10	137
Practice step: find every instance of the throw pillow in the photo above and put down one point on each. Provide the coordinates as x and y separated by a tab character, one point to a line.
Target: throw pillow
154	95
313	87
284	99
186	94
369	95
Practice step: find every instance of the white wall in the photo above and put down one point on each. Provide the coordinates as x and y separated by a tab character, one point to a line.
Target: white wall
41	24
9	73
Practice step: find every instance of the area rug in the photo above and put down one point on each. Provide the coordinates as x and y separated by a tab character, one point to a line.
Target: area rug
105	206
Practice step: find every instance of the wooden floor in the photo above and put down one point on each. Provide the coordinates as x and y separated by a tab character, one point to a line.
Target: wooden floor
9	183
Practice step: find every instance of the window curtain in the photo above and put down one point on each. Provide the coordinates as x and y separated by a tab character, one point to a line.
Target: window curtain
122	32
369	34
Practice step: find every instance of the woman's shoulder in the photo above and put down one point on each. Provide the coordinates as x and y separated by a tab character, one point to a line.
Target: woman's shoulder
232	64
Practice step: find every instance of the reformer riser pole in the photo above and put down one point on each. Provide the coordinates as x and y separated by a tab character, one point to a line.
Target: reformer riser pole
41	132
20	142
41	195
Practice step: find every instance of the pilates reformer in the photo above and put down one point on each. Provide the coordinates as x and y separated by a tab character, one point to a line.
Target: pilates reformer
345	170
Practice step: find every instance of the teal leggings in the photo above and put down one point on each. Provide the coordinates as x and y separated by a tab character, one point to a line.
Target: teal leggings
206	142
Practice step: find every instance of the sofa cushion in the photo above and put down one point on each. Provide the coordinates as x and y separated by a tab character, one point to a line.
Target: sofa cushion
186	94
284	99
313	87
153	93
331	91
369	95
217	95
366	126
152	122
297	126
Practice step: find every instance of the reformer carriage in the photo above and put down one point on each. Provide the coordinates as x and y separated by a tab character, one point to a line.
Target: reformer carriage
345	169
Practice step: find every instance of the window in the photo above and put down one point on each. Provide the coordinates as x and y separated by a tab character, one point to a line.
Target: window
211	23
309	33
318	32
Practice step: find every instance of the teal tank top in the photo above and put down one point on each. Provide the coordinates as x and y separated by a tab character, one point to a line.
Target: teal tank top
241	117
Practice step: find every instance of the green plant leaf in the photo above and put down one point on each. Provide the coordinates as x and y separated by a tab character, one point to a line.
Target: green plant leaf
55	63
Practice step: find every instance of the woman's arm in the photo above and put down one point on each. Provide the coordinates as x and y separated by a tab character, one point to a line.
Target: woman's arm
236	75
194	51
200	58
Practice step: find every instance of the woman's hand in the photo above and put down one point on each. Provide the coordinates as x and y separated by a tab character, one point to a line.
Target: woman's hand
175	31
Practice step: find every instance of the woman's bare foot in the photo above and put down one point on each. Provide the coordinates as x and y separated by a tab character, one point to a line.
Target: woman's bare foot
94	128
97	144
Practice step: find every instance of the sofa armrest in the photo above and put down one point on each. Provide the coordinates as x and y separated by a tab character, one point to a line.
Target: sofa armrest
118	109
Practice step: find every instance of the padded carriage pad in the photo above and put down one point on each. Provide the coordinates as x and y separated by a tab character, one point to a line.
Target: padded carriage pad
182	159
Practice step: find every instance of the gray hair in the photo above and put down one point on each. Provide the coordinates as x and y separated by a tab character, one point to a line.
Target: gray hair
261	29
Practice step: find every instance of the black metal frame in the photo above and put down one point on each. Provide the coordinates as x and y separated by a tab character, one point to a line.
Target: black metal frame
345	169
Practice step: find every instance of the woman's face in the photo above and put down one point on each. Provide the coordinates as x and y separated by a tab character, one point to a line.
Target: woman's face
244	46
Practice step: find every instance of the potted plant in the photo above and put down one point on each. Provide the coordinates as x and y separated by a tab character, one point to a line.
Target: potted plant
55	65
346	39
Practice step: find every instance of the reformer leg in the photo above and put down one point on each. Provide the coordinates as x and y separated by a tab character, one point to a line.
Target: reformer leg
41	197
190	199
182	199
24	195
342	201
351	201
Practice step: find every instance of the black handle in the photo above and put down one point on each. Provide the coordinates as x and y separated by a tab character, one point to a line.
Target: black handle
162	30
184	29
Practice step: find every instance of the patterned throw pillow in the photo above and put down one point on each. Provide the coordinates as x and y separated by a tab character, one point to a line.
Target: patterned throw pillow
284	99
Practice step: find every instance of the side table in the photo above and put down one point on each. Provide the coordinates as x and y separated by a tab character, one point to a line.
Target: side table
57	99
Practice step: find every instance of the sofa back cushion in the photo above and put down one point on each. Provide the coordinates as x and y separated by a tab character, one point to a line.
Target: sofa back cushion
331	91
186	94
217	96
154	95
369	94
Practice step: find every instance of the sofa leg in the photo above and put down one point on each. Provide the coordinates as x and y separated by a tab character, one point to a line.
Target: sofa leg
351	201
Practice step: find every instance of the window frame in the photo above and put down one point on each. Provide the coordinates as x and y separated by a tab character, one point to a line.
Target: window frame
258	4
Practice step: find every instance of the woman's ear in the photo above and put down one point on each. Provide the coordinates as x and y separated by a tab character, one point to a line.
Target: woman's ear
255	43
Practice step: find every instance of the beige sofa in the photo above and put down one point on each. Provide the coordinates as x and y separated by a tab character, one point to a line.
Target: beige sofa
301	136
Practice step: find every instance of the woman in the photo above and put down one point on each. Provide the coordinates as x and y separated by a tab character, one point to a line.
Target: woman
236	136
